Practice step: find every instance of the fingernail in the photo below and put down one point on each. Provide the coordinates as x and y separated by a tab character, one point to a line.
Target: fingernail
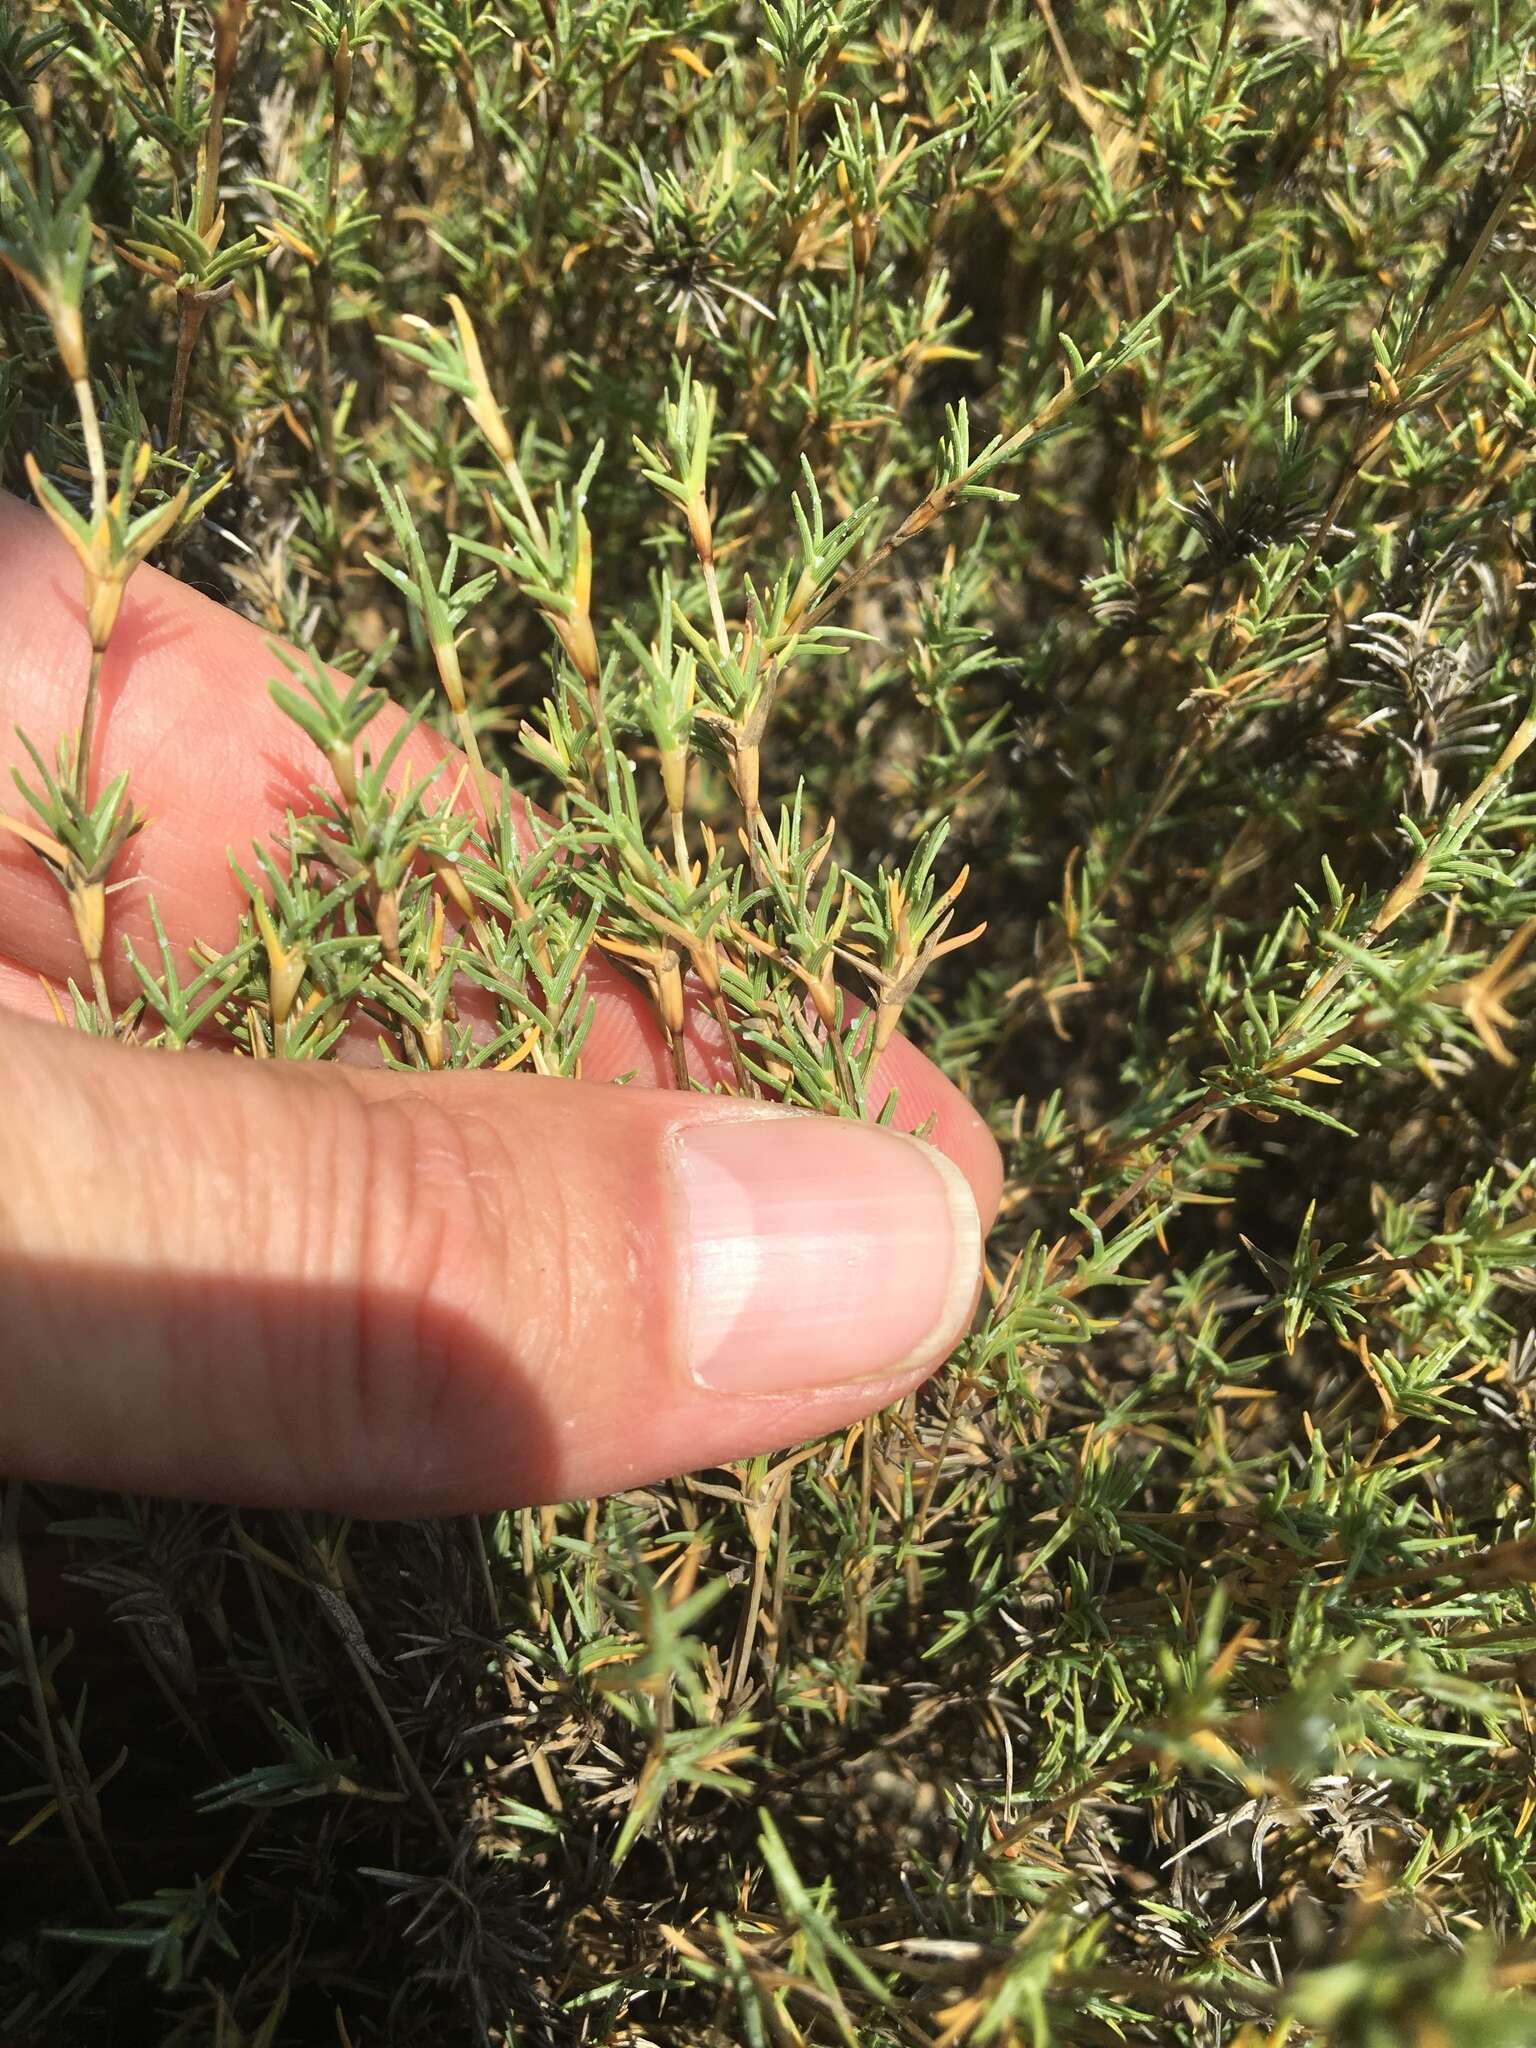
820	1251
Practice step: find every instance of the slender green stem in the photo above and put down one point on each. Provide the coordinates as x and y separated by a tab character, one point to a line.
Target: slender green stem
189	320
325	412
85	742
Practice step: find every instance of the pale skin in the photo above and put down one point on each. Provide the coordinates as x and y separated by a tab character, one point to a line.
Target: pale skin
399	1294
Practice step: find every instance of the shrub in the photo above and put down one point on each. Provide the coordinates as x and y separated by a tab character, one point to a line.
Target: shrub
820	448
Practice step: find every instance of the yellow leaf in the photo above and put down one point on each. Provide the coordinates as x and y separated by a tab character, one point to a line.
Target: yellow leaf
689	58
296	243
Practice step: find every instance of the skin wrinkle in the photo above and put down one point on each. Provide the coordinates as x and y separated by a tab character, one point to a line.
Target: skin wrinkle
551	1313
337	1241
264	1214
274	1229
328	1242
396	1378
490	1176
479	1204
446	1204
473	1243
202	1166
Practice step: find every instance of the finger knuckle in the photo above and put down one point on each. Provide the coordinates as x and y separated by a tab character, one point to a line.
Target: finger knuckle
432	1206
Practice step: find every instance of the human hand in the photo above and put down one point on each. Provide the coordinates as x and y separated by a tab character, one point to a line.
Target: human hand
387	1293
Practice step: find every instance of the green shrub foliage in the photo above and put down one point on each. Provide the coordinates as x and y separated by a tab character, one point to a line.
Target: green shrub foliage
817	448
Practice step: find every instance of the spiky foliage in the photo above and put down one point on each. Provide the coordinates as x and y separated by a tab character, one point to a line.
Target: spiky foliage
1087	445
